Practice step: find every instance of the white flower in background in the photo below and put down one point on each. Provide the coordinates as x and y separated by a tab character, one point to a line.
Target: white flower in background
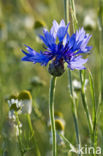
29	22
12	102
20	104
90	20
14	106
77	85
25	99
12	115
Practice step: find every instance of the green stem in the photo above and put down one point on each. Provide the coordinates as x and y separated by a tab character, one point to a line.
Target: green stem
94	107
20	147
37	152
101	43
51	113
74	110
30	124
100	26
85	103
66	10
72	5
73	14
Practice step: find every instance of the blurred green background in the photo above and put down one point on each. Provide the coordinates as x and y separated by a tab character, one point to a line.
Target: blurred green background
21	22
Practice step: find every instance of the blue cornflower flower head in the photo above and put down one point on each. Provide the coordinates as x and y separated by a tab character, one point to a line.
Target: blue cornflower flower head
60	48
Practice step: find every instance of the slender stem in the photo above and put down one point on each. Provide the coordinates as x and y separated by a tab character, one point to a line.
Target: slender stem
73	14
20	147
74	110
94	109
70	82
37	152
30	124
51	112
0	9
100	26
82	91
85	103
66	10
101	43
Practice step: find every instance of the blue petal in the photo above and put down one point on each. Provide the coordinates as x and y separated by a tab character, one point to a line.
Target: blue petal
35	57
62	31
84	43
82	40
62	23
71	41
80	34
26	58
48	40
54	29
30	50
77	63
27	54
43	39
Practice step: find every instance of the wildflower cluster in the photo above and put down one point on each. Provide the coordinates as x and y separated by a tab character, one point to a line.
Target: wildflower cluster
60	48
18	105
14	106
14	110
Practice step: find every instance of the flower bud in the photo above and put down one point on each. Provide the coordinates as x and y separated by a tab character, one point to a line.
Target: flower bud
56	68
59	125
